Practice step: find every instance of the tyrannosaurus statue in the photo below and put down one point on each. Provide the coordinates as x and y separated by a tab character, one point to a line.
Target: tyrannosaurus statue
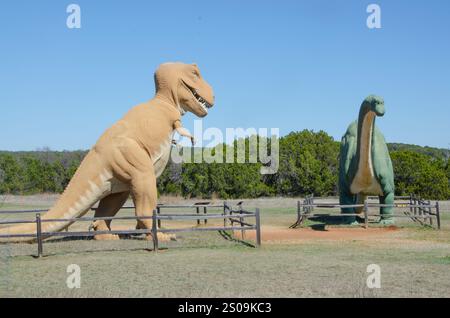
130	155
365	164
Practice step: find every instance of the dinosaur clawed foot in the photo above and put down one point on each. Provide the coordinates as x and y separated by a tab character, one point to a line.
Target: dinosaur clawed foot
106	237
162	237
387	221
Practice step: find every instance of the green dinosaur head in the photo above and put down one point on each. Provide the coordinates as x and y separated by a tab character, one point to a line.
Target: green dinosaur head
373	103
183	86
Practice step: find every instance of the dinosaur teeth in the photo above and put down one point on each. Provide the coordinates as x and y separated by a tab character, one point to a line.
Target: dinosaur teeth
202	103
205	105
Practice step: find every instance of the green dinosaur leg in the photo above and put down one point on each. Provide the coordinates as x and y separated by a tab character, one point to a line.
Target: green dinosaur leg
346	199
386	212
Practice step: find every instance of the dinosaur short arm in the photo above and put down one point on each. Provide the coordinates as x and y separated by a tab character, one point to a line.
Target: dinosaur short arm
177	124
182	131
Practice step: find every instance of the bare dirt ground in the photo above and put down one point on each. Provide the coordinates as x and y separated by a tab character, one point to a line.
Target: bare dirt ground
276	234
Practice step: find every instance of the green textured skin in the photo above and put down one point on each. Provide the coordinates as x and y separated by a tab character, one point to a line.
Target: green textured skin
381	164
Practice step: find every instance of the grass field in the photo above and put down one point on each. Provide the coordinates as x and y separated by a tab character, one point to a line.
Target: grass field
414	261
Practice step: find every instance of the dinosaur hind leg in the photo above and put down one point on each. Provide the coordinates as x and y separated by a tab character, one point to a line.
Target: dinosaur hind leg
108	206
386	212
144	196
346	198
133	164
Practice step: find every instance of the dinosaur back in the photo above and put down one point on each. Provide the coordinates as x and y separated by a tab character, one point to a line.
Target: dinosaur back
347	156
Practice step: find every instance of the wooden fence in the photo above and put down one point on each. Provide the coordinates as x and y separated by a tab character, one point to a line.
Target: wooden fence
229	216
419	210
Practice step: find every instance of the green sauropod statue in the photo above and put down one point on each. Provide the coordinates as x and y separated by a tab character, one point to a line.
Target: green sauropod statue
365	165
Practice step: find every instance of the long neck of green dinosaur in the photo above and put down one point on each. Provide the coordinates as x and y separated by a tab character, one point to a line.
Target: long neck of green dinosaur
366	125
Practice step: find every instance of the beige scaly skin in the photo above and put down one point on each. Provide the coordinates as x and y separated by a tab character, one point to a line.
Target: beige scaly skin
130	155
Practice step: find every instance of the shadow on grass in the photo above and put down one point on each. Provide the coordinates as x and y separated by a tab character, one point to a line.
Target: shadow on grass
320	222
84	252
227	236
319	227
111	245
137	237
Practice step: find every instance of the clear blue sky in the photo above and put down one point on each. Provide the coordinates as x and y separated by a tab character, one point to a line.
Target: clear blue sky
286	64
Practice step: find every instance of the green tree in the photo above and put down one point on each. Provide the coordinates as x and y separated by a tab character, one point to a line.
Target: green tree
308	164
420	174
170	180
11	174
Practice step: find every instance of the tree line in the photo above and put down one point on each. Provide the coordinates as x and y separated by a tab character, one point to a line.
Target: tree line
308	164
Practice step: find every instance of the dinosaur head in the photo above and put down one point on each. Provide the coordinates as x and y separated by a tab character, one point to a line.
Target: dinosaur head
183	86
374	103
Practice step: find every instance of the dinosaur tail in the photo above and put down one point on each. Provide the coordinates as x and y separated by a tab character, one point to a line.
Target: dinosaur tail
89	184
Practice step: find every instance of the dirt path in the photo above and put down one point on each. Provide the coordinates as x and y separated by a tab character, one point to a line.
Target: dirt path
271	233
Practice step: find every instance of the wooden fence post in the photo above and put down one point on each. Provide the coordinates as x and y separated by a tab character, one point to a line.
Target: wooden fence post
158	212
438	215
197	209
225	207
419	203
410	203
308	208
258	228
155	231
241	219
429	213
415	203
205	212
366	214
39	234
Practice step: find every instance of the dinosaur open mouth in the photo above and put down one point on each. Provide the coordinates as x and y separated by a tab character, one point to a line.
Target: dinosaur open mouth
200	100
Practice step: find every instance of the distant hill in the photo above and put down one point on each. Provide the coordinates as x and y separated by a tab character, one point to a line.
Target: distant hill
438	153
67	156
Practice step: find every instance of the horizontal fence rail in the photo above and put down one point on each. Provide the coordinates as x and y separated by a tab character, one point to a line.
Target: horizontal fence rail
228	215
124	207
